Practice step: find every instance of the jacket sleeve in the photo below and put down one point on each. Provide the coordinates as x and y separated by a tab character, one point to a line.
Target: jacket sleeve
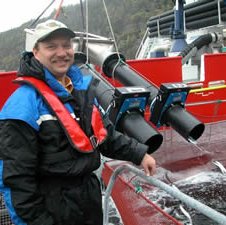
19	152
122	147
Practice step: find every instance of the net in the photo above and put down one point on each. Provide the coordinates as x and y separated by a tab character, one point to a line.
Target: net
4	216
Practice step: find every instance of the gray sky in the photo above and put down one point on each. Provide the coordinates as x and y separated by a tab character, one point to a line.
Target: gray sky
13	13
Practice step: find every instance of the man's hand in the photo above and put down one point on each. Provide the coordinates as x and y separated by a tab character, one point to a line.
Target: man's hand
149	165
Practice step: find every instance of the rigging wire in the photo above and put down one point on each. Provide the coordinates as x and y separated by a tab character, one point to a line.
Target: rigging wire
37	19
120	61
111	29
87	30
115	44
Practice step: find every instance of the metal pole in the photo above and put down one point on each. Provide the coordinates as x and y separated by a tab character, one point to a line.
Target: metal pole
158	28
191	202
219	11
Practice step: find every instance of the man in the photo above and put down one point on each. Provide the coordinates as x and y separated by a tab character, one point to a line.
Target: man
48	158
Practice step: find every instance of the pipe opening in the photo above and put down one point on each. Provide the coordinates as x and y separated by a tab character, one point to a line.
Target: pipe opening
197	131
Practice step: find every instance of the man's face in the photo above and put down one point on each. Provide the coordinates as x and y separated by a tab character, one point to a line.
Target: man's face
56	54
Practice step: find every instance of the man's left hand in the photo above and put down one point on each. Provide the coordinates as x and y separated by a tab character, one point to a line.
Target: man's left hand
149	165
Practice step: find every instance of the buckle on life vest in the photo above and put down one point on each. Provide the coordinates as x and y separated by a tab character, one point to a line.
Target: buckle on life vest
94	141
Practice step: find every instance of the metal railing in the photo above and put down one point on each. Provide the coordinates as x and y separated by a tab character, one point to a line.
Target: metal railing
189	201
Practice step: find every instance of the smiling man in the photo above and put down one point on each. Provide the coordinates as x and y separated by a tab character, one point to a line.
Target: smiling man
55	50
52	135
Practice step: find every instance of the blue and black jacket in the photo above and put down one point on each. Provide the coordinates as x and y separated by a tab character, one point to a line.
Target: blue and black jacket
34	147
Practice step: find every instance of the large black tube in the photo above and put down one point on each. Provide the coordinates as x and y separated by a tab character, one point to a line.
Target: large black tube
197	3
132	123
205	22
202	8
180	122
176	116
199	43
162	20
202	15
166	32
127	76
154	32
161	26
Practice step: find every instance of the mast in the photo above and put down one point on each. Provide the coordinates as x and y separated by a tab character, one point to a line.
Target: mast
178	35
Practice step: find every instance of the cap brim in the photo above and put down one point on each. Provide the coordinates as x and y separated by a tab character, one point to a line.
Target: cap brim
60	31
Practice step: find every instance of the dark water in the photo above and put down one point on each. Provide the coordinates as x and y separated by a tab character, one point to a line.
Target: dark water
208	187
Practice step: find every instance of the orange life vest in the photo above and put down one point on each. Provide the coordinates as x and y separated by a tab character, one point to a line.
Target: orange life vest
76	136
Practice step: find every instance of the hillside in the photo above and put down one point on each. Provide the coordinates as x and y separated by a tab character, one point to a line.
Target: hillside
128	19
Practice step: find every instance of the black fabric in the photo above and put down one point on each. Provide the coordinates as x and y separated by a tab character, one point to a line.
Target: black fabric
84	208
47	159
29	66
19	150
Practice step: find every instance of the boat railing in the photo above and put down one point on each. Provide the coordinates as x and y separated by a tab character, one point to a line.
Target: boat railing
213	87
189	201
143	48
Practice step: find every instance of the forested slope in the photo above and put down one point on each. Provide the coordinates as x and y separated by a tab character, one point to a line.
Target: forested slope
128	19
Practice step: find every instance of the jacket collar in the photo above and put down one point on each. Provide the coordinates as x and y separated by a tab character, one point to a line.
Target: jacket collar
30	66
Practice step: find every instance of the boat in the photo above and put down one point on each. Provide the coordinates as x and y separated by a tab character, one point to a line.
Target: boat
173	93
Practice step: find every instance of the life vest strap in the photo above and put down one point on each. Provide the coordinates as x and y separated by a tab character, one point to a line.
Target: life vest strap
73	131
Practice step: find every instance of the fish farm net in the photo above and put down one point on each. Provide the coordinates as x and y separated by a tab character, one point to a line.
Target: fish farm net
4	216
188	167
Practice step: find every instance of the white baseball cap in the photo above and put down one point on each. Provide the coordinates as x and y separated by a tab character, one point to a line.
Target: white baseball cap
44	31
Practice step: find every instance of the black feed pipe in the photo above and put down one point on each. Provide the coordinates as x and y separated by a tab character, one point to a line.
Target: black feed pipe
131	123
198	43
205	22
176	116
202	15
